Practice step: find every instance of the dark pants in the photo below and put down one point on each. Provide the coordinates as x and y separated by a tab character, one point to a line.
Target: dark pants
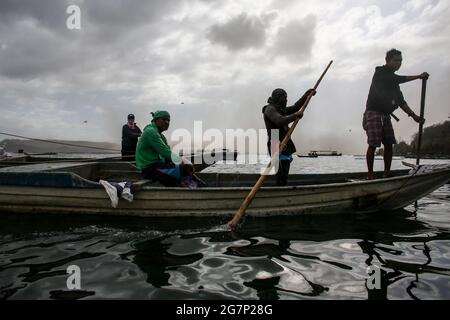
128	155
161	173
283	172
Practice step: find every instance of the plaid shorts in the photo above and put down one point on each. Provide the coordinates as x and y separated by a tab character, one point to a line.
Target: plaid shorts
379	128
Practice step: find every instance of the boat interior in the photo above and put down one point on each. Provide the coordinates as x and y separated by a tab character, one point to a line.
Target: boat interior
84	174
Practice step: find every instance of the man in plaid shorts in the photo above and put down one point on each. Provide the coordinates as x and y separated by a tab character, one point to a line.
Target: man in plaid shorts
384	97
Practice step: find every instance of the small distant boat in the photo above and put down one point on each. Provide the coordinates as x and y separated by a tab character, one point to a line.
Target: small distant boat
325	153
307	155
226	154
363	157
40	154
208	156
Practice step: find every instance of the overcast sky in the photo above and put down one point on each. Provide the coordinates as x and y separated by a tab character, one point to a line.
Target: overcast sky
215	61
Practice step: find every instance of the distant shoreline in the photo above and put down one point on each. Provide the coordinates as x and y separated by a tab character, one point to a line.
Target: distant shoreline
32	146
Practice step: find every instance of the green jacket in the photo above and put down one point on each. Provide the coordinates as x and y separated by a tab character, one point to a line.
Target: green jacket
152	148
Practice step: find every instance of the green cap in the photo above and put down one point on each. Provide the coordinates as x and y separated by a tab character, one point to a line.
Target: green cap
160	114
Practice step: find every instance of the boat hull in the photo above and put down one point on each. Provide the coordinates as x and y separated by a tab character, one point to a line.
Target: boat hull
334	198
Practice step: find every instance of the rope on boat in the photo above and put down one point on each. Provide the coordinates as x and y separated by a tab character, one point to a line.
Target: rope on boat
55	142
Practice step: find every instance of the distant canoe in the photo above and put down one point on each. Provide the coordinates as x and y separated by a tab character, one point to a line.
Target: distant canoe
326	153
363	157
73	188
307	156
214	154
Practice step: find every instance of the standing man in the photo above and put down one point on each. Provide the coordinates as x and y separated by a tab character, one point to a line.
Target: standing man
384	97
130	135
278	116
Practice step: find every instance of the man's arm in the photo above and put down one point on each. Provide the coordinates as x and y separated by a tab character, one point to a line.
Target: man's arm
411	113
296	107
403	79
279	120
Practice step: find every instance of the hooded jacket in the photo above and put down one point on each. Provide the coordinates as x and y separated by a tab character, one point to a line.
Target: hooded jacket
278	117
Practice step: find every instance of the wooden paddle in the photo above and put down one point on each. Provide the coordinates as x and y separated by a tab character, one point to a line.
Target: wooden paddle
241	212
422	113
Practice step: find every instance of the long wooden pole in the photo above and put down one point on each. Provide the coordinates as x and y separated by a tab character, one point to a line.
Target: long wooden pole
248	200
422	113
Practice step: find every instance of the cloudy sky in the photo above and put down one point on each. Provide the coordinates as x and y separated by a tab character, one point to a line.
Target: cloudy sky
216	61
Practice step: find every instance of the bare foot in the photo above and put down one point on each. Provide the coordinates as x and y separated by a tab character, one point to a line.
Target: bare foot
370	176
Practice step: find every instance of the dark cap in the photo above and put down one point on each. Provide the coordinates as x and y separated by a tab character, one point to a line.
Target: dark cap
131	116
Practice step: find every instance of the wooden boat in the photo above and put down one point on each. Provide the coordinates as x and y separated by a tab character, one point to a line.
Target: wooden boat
73	188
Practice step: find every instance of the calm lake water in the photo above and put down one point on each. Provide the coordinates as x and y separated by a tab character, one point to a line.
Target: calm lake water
272	258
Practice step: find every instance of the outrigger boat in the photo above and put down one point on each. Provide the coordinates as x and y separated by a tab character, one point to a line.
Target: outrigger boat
67	188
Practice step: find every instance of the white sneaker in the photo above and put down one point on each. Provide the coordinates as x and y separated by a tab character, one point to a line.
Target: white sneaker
111	191
126	194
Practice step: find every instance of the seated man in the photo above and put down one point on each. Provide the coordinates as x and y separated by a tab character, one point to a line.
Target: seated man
157	162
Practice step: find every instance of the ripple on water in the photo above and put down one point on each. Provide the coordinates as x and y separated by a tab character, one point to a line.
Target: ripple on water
278	258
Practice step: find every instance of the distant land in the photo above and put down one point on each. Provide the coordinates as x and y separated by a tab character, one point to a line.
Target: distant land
435	143
31	146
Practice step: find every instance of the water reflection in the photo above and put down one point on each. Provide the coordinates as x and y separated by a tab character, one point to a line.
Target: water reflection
272	258
153	258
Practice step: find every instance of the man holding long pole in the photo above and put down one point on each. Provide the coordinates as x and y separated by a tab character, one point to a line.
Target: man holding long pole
277	117
384	97
241	212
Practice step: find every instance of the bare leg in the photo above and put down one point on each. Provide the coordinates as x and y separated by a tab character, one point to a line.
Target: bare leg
387	159
370	157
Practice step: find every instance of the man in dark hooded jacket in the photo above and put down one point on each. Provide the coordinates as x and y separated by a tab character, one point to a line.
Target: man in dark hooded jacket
277	116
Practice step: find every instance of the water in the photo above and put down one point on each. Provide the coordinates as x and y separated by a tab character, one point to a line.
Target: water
276	258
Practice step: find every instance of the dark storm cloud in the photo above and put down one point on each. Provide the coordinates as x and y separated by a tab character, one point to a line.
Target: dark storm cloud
241	32
138	56
34	39
127	13
49	13
31	55
296	39
113	13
